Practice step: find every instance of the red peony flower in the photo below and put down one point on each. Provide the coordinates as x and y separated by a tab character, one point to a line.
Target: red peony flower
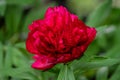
58	38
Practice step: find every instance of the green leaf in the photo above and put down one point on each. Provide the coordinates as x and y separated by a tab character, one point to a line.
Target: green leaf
82	78
19	59
100	14
102	73
7	62
12	18
20	45
101	30
47	75
2	35
66	73
101	37
70	74
8	57
114	52
114	16
20	2
116	74
117	36
103	33
21	72
1	55
94	64
24	76
102	41
63	73
2	7
1	62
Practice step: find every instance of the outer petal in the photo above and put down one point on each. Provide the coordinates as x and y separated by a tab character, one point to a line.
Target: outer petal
91	35
30	45
77	52
74	17
64	58
58	17
43	62
49	11
35	24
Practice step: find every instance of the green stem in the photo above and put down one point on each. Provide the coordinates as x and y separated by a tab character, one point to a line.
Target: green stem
66	73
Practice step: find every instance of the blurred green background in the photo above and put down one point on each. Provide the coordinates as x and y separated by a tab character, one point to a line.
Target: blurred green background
101	61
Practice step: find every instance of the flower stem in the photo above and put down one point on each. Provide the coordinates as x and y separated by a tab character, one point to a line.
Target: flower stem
66	73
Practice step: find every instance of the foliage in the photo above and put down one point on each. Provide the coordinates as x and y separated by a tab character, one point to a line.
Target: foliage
100	62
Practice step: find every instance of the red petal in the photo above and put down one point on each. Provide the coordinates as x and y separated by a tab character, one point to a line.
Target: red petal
43	62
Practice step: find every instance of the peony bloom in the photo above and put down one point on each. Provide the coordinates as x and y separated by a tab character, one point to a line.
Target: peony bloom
58	38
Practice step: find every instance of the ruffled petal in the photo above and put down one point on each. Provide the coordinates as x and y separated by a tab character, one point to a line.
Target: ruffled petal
30	44
43	62
64	58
